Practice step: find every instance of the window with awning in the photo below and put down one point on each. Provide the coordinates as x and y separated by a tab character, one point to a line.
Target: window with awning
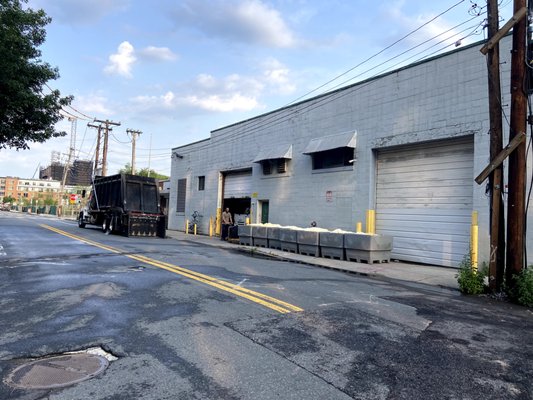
332	151
274	158
275	152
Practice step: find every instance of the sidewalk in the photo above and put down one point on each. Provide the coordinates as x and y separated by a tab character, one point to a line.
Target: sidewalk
410	273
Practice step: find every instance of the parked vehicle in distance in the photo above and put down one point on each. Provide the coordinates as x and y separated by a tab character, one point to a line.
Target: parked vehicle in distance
126	204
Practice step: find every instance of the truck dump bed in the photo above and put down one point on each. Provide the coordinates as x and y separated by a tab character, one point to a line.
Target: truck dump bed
130	202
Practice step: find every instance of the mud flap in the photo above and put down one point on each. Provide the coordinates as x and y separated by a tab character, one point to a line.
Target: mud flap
145	225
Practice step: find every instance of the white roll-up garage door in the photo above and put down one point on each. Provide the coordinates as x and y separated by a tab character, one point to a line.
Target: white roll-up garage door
238	184
424	200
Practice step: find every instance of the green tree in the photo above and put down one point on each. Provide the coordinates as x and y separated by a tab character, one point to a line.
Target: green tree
26	113
9	199
143	172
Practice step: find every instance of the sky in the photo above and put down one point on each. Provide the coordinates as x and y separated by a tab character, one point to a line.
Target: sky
178	69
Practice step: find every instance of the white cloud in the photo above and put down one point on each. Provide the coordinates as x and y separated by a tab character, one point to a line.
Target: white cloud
277	76
93	105
213	102
121	62
235	102
157	54
246	21
232	93
206	81
265	23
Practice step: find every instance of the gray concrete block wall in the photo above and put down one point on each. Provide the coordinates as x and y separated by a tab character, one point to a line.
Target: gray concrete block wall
443	98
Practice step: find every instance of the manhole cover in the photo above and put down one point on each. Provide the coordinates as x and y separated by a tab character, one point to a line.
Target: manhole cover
59	371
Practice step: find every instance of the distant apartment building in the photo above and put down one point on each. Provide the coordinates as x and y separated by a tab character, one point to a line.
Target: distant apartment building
29	189
8	187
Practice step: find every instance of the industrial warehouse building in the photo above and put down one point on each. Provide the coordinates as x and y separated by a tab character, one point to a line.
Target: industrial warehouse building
407	143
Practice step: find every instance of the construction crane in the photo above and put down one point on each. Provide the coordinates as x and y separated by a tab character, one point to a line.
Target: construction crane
72	149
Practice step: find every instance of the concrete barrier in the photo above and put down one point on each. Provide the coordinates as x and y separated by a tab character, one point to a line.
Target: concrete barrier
369	248
332	245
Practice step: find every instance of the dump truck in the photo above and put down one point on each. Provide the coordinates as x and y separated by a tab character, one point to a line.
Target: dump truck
125	204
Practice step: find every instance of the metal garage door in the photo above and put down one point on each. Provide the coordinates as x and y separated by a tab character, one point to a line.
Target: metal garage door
424	200
238	184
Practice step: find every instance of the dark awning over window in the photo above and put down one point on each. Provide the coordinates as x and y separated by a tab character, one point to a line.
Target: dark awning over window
331	142
274	152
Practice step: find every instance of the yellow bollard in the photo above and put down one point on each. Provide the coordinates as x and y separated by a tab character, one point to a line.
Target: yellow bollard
218	221
371	222
474	218
474	254
210	226
186	226
195	229
247	222
359	227
474	244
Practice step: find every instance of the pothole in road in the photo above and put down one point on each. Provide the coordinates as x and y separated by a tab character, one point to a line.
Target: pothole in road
60	370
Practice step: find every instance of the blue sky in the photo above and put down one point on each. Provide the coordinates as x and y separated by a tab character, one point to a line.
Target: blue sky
178	69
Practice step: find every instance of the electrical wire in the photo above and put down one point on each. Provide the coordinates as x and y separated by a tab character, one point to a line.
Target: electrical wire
270	119
263	122
82	141
416	54
308	106
118	141
375	55
86	117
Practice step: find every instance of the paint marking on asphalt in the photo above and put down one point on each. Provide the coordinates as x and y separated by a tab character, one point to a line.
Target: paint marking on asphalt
259	298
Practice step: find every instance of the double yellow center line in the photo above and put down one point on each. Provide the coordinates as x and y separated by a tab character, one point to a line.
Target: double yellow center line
256	297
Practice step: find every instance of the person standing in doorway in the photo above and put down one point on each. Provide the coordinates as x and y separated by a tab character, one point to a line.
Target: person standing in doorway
227	221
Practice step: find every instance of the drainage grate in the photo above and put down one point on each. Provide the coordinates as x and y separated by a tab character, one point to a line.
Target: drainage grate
55	372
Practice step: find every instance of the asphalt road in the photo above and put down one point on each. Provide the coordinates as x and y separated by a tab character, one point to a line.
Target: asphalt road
195	322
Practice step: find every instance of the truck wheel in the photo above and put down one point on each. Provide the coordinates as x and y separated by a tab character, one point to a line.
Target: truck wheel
81	223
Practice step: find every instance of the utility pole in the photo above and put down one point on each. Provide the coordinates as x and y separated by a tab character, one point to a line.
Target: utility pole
97	151
150	155
106	141
517	159
497	217
72	149
133	140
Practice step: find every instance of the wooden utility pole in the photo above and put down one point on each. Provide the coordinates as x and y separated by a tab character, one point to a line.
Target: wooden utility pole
97	151
497	218
133	141
517	159
106	141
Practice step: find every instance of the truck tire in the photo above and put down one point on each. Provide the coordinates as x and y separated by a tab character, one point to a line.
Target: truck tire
81	223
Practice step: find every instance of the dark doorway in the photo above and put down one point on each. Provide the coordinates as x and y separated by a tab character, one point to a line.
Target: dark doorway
264	211
239	208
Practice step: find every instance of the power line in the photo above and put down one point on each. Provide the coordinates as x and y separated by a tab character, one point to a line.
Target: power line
71	107
377	54
271	119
